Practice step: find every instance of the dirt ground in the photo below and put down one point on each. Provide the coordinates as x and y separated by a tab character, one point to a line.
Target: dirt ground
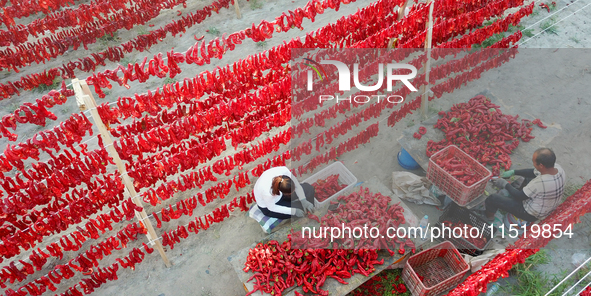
554	91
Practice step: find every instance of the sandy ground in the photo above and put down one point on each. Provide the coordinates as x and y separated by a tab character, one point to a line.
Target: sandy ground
200	264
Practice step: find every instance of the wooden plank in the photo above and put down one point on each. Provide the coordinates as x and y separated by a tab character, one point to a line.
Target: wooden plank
428	45
237	8
90	103
79	94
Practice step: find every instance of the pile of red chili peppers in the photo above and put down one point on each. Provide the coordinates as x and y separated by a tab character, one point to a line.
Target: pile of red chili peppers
459	169
360	209
278	266
325	188
478	242
480	129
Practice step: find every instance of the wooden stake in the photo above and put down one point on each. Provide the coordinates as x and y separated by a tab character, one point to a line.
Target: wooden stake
428	44
237	8
84	95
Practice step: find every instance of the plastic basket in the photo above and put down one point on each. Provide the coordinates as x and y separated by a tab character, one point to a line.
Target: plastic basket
441	268
345	177
454	214
455	189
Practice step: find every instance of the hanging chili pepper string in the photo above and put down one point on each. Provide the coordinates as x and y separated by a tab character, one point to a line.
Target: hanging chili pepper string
44	180
552	14
256	33
141	12
56	223
141	42
84	259
142	180
90	159
201	193
268	91
20	9
195	120
79	16
102	275
309	151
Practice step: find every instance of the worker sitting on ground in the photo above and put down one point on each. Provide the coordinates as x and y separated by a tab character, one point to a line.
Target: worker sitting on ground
538	198
279	195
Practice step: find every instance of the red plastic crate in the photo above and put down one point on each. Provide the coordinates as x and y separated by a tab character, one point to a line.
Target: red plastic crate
441	268
454	188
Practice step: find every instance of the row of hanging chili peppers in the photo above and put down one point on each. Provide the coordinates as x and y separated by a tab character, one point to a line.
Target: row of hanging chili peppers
25	8
194	179
34	113
259	33
47	48
78	16
102	222
69	212
115	53
58	183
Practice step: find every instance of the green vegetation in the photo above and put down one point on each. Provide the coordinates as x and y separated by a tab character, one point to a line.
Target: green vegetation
575	39
109	38
528	33
531	282
141	30
169	80
255	4
262	44
43	88
387	282
213	31
549	26
126	61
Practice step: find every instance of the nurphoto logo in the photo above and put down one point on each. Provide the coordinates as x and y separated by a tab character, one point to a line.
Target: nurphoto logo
345	75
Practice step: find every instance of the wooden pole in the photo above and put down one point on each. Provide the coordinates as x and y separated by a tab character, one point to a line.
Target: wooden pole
428	45
84	96
237	8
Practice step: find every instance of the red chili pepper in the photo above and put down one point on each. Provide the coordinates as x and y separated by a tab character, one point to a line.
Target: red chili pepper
543	5
422	130
313	217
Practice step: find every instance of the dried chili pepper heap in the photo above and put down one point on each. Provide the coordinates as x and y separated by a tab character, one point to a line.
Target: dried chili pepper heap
359	209
325	188
459	169
480	129
278	266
